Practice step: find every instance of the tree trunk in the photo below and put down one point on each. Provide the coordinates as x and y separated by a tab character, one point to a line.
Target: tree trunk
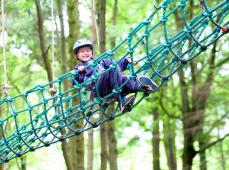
23	162
104	152
156	140
200	103
80	150
44	51
189	120
102	26
114	18
113	153
203	162
76	144
223	161
90	141
101	6
64	70
63	39
112	142
188	149
74	28
90	149
169	142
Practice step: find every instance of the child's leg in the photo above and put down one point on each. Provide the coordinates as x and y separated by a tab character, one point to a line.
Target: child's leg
146	83
130	85
141	83
126	103
109	81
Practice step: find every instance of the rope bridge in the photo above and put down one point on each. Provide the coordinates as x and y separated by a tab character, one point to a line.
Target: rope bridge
38	118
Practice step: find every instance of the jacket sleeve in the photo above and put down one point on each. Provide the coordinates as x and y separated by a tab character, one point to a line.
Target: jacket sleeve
106	63
79	77
124	63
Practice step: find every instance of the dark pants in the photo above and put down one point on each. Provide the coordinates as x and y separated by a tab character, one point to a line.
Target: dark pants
114	79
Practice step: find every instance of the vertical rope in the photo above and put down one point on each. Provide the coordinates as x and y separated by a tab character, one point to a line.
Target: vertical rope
53	57
52	90
5	87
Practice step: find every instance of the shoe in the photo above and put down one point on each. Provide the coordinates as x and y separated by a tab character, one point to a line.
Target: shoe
146	84
127	103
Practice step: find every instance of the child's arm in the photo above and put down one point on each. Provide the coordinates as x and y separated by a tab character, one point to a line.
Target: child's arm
124	63
81	69
80	76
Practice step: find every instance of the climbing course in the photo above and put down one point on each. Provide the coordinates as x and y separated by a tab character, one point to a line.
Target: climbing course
160	50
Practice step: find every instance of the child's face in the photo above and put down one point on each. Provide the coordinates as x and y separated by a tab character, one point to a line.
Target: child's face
85	54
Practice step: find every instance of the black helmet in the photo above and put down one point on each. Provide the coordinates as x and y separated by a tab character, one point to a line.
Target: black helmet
82	43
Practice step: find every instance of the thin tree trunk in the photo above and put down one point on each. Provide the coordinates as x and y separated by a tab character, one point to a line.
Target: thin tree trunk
104	144
203	162
64	145
112	142
23	162
223	161
103	128
169	142
114	19
44	51
63	39
113	153
90	149
102	26
156	140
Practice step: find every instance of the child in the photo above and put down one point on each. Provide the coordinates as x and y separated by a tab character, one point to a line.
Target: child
83	50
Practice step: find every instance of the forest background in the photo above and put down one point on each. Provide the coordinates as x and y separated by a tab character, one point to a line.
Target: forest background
182	126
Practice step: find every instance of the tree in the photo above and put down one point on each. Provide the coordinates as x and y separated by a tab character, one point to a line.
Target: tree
76	143
194	101
64	144
101	6
156	139
112	142
44	50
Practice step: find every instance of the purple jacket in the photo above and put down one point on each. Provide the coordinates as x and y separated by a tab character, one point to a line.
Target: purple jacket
104	64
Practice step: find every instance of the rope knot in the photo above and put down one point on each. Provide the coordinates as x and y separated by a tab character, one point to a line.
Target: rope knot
146	22
110	52
225	29
163	19
131	50
181	4
52	91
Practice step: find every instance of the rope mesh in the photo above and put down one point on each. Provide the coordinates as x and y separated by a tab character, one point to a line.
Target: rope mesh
36	118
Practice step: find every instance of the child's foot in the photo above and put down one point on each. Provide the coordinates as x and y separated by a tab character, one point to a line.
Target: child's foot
127	103
146	83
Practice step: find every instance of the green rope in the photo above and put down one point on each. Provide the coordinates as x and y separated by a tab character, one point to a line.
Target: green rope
44	119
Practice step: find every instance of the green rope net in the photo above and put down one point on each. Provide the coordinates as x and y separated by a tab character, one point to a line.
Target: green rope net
37	118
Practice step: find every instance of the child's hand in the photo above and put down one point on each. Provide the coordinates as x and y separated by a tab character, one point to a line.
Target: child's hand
81	68
129	61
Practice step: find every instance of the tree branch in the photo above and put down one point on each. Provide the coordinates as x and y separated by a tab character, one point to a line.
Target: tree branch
216	123
212	144
222	62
